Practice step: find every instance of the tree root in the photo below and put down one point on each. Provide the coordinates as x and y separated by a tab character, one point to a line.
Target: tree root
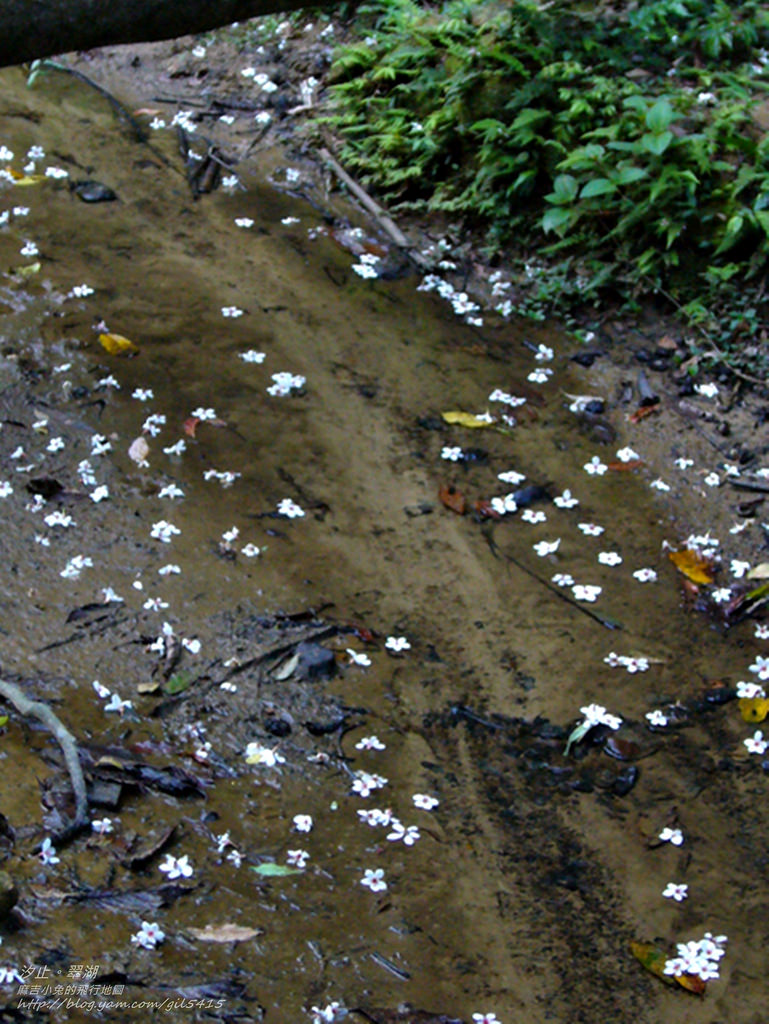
37	709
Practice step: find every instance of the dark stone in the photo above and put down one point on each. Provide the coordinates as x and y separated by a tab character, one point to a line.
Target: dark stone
625	781
586	358
93	192
596	406
315	661
278	727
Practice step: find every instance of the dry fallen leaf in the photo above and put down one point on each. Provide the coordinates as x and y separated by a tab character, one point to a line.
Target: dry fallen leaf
759	572
693	565
465	419
452	498
139	451
117	345
654	959
754	709
642	412
224	933
625	467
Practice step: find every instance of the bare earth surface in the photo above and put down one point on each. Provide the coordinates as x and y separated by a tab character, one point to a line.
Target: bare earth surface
535	870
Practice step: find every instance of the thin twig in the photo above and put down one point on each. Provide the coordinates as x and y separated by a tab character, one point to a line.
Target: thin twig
498	553
37	709
386	222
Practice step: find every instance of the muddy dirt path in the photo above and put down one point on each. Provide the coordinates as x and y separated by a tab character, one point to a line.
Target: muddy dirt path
534	871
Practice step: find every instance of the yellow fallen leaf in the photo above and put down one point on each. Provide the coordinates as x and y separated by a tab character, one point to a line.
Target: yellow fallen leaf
28	270
224	933
465	419
117	345
759	572
693	565
654	959
754	709
26	179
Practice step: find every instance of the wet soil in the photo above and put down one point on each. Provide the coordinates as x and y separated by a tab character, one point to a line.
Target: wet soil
536	869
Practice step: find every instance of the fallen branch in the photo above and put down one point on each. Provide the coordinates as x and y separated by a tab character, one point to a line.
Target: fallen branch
37	709
384	220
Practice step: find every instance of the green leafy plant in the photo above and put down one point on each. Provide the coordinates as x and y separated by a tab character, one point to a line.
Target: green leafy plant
618	145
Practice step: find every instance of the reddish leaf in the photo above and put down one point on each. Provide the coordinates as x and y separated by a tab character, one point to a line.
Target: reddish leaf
625	467
486	510
190	425
453	499
642	412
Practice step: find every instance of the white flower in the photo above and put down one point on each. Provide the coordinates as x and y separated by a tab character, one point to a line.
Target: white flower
192	645
609	558
102	826
232	311
164	531
56	444
675	892
721	595
452	454
595	467
258	754
645	575
424	801
297	858
47	853
706	390
149	935
530	515
659	485
565	500
656	718
358	659
540	375
739	568
289	508
303	822
101	691
683	463
117	705
169	569
545	547
250	550
369	743
400	832
244	222
543	354
672	835
590	529
756	744
174	867
511	477
749	691
143	394
713	480
176	449
585	592
170	491
396	644
6	489
29	249
563	579
627	455
252	356
762	632
596	714
374	880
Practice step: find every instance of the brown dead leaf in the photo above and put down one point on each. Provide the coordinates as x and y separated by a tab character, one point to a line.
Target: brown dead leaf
654	959
139	451
453	499
693	565
667	342
486	510
642	412
626	467
224	933
190	425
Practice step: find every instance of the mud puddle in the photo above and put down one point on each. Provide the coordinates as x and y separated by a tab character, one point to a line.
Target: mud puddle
534	871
